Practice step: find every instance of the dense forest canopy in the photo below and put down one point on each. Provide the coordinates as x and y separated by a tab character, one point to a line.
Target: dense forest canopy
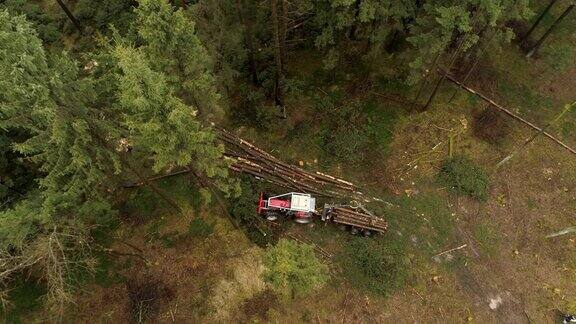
98	95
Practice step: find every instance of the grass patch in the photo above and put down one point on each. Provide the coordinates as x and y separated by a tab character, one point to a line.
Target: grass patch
379	266
420	227
560	56
198	227
487	238
380	125
422	222
524	98
462	176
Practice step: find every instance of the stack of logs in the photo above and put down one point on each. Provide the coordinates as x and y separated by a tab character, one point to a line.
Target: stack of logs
249	159
347	216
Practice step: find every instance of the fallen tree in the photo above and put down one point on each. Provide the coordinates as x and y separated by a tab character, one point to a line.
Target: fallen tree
508	112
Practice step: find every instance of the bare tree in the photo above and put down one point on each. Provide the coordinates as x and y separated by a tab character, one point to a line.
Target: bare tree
51	257
537	22
549	31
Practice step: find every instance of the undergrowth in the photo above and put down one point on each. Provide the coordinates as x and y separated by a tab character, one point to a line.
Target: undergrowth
198	227
243	209
376	265
25	297
355	131
293	269
463	176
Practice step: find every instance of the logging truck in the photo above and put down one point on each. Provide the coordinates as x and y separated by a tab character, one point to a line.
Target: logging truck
302	208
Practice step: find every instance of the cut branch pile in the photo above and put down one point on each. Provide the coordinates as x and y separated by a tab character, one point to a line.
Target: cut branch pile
249	159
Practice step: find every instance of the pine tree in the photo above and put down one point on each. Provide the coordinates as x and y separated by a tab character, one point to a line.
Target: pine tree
222	27
45	97
375	25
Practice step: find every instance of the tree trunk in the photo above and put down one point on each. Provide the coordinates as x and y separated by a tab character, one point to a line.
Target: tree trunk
425	79
353	28
434	92
525	37
70	15
481	51
450	66
279	88
283	29
249	39
549	31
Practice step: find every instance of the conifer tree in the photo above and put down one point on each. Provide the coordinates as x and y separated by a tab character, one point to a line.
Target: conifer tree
169	41
161	123
70	141
444	28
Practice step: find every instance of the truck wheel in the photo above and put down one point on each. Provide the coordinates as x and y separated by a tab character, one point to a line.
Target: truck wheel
302	217
271	217
304	220
353	231
366	233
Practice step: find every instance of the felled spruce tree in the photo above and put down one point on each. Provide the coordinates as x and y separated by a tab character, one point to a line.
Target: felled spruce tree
164	84
169	43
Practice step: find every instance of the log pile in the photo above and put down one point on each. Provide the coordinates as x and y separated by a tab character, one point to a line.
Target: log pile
347	216
248	158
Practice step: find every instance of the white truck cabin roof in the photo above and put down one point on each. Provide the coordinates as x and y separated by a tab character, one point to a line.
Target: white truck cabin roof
302	202
293	201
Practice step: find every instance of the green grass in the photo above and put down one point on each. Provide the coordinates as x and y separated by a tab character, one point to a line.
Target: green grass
380	124
423	222
198	227
560	56
487	238
524	97
420	227
377	265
